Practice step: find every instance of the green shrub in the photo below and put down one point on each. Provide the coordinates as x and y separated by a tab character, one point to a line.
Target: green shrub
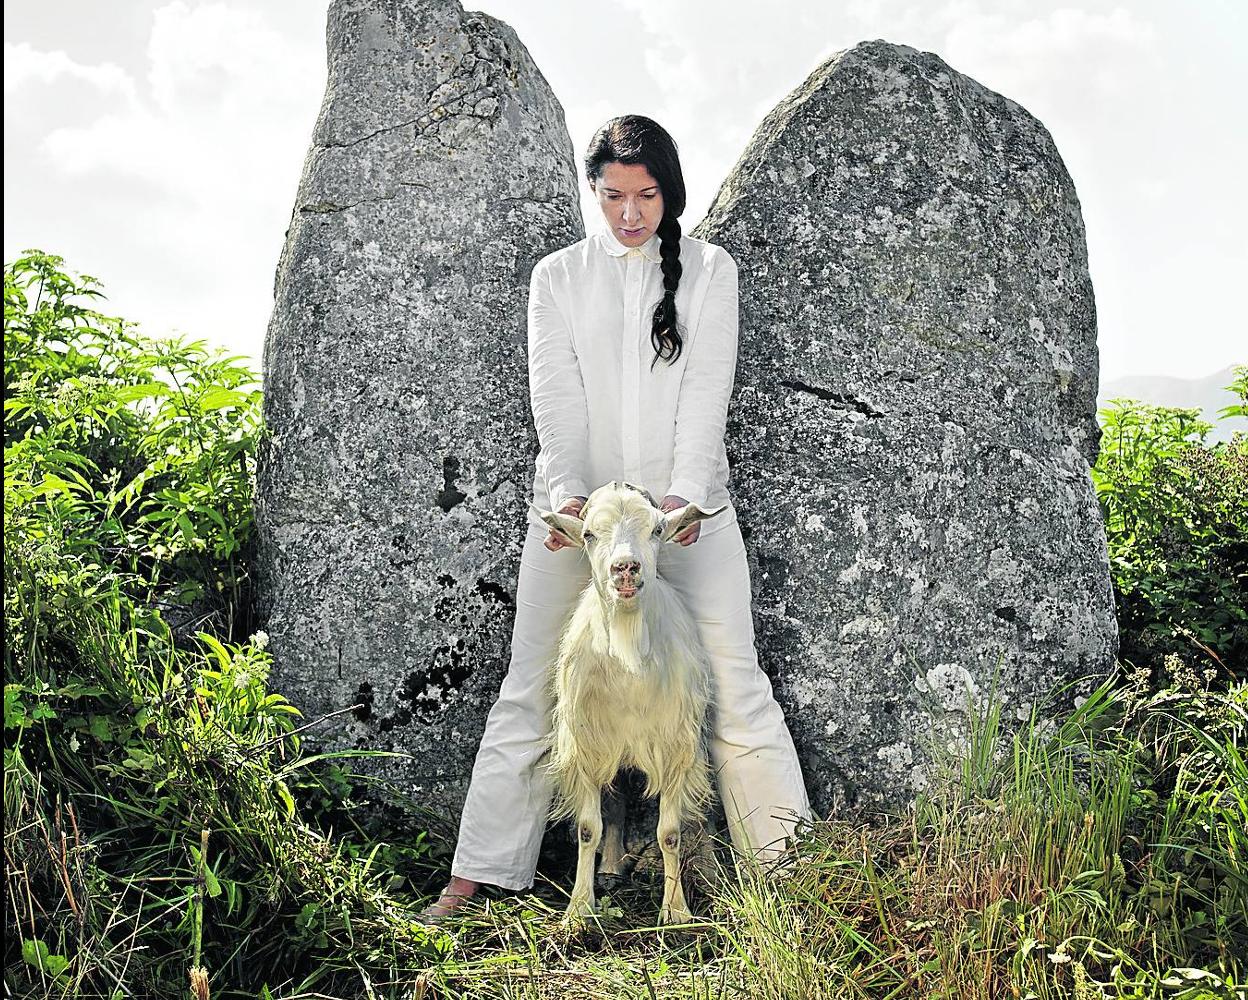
151	824
1176	523
133	451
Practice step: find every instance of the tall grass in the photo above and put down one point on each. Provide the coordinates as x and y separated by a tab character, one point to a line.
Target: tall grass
1057	866
150	825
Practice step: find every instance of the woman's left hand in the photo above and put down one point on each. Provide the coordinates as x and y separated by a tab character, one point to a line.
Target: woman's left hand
690	534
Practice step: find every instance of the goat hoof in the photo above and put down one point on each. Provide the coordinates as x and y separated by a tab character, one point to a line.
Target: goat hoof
671	913
610	880
578	912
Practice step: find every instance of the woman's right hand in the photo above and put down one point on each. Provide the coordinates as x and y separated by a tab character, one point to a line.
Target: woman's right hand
555	540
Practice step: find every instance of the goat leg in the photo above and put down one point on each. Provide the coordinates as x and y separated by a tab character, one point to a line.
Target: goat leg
588	834
613	815
674	909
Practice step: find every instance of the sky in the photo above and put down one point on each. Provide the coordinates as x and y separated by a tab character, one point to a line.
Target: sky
158	145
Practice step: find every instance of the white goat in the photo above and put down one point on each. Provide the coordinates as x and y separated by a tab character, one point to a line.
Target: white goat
631	686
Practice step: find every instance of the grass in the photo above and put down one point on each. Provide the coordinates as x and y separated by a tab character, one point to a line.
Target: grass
162	817
1100	856
1047	869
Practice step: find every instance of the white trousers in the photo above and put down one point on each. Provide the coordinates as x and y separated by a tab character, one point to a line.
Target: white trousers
757	771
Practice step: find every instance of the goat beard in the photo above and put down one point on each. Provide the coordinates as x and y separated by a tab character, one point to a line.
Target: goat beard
628	637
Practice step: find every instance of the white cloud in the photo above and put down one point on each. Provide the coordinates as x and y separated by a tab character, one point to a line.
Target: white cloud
1052	57
183	183
26	67
226	91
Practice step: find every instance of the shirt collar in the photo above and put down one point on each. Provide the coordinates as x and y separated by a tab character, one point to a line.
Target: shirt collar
612	245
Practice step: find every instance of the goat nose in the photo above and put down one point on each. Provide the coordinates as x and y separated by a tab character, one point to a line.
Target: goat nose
626	566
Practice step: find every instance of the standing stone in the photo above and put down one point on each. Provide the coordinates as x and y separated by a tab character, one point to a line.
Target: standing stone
392	493
915	413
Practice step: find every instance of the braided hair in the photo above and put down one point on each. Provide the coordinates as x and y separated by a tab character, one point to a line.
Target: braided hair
638	139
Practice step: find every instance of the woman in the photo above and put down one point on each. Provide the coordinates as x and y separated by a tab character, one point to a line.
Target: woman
602	413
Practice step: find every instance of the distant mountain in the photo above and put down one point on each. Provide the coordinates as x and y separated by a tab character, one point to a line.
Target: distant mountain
1165	390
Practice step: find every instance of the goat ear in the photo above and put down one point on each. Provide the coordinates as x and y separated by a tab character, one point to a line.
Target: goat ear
680	518
568	525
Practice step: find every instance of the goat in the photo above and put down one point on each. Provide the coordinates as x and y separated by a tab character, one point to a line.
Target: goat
630	686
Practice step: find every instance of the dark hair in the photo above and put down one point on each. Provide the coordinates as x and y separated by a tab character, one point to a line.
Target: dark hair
638	139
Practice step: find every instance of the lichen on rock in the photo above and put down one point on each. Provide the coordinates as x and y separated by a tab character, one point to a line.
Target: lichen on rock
915	413
389	505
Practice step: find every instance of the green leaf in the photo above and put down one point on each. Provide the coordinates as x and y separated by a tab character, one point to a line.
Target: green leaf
211	882
288	800
14	708
218	398
144	390
223	656
99	728
213	514
41	711
36	953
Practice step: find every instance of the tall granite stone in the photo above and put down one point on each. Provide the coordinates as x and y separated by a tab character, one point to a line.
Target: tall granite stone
392	492
914	418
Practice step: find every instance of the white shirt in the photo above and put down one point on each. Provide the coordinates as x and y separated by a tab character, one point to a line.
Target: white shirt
600	411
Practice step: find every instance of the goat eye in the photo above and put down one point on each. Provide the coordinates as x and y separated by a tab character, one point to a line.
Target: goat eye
587	536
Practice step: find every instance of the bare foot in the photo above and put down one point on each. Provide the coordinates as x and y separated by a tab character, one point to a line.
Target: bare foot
453	896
